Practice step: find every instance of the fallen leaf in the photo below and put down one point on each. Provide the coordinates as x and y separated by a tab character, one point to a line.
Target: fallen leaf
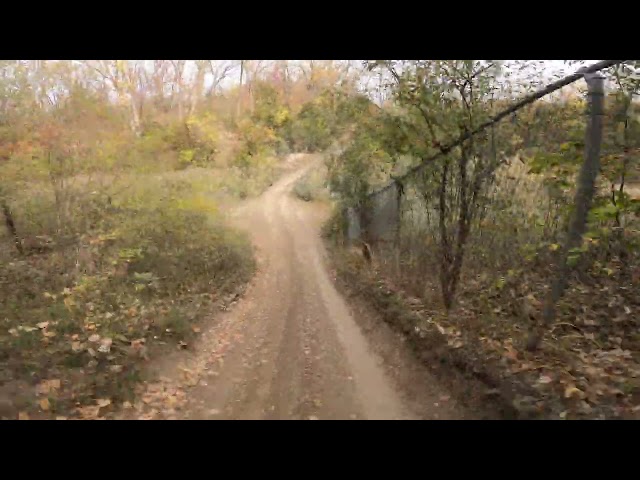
89	412
116	368
571	391
62	418
76	346
511	354
14	332
44	404
103	402
46	386
49	334
196	329
23	416
544	379
127	405
42	325
95	338
105	345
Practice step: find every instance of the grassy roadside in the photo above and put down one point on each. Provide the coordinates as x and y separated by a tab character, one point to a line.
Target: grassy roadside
85	311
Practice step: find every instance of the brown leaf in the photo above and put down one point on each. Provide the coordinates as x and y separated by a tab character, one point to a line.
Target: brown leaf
23	416
42	325
61	418
196	329
89	412
103	402
49	334
95	338
511	354
545	379
76	346
46	386
44	404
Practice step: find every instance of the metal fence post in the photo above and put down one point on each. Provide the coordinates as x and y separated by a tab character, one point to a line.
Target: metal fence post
583	199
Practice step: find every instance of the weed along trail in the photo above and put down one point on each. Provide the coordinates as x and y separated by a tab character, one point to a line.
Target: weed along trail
289	348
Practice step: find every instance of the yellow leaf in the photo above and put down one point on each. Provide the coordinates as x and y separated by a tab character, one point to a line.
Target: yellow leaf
570	391
44	404
553	247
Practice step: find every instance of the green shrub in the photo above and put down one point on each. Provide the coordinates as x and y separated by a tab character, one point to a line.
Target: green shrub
313	185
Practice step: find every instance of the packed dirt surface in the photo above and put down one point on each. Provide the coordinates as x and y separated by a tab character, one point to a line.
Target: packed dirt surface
290	347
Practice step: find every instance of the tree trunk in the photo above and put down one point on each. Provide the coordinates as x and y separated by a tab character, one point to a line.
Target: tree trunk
196	90
136	123
11	226
239	105
445	246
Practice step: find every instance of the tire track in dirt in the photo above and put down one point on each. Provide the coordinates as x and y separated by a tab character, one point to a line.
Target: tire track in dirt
290	348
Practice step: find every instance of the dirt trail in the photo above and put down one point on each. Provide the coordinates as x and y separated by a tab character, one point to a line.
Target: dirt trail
289	349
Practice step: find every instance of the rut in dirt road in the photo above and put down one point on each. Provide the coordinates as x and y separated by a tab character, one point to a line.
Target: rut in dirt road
289	349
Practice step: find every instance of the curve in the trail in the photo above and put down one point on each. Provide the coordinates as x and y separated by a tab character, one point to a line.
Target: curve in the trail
290	348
